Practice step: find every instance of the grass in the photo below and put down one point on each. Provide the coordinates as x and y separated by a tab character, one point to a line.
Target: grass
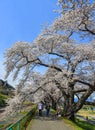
24	121
84	125
5	126
1	125
80	125
17	117
3	100
92	112
72	124
52	111
24	112
87	113
29	125
3	96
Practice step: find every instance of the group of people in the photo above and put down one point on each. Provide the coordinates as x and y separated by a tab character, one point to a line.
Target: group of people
43	105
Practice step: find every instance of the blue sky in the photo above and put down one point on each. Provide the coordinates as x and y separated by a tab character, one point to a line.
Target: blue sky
22	20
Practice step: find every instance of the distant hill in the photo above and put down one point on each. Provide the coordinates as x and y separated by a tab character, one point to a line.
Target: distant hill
6	88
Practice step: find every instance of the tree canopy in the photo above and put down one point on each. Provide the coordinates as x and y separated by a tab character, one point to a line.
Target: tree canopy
67	50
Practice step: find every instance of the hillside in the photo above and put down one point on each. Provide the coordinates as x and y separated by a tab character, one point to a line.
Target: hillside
6	90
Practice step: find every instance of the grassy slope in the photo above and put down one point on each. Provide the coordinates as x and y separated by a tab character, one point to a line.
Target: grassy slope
80	125
87	113
27	108
3	100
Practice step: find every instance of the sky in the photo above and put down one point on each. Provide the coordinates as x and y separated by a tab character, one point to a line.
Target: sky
22	20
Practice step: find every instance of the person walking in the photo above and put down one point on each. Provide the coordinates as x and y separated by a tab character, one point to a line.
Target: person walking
47	109
40	108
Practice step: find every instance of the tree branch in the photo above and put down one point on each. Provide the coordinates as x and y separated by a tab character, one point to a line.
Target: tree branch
50	66
79	91
89	103
83	99
88	84
37	90
87	29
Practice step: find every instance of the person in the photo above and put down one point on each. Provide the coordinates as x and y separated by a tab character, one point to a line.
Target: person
47	109
40	108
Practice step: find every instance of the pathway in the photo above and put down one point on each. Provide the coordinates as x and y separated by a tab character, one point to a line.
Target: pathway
49	123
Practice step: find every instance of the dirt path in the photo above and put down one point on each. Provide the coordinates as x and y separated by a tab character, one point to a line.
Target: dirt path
49	123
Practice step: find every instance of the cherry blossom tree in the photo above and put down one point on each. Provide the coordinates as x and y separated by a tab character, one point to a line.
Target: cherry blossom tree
69	63
77	16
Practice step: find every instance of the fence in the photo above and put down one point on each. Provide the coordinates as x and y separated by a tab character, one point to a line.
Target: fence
23	122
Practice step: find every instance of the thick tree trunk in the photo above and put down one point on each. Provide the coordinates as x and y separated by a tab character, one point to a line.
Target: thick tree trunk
82	100
70	112
71	109
68	107
71	116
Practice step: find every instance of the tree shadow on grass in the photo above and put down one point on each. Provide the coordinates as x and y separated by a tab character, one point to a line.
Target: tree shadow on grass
84	124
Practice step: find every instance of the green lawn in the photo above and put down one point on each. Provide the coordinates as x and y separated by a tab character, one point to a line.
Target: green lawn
80	125
84	125
87	113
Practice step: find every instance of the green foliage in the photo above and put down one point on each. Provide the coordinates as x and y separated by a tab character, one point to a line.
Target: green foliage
2	102
7	125
25	122
85	107
4	126
24	112
1	125
29	125
53	111
3	96
91	112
